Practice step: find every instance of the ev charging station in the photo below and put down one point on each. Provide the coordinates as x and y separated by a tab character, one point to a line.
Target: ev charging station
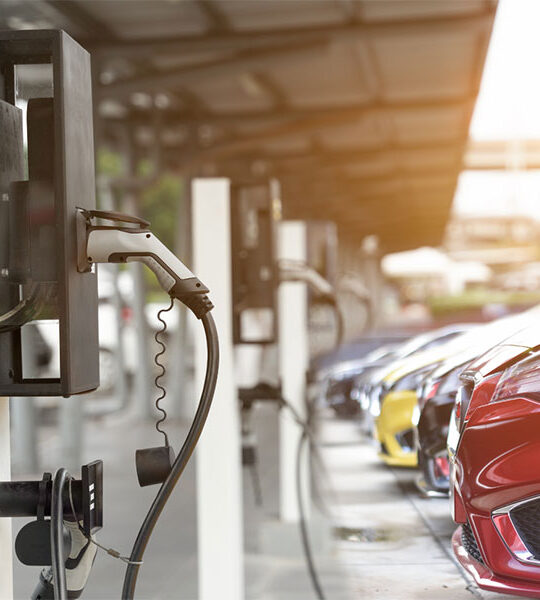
38	213
38	244
51	239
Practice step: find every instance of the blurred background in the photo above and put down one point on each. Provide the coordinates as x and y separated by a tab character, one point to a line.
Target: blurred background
409	127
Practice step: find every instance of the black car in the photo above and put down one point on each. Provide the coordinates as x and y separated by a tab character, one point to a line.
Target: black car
436	399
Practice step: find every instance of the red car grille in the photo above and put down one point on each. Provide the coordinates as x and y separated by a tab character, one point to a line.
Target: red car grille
526	519
469	543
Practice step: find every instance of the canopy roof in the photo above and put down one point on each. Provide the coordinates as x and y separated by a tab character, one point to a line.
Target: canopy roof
360	108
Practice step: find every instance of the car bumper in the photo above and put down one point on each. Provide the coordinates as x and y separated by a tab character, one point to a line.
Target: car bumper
486	579
395	429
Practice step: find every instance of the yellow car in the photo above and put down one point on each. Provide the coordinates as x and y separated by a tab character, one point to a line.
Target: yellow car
396	394
398	399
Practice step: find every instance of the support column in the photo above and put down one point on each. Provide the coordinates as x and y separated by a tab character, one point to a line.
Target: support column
180	379
6	545
121	387
23	415
71	433
293	364
219	476
143	389
374	278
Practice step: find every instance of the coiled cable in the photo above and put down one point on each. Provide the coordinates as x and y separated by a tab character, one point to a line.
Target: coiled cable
205	402
159	376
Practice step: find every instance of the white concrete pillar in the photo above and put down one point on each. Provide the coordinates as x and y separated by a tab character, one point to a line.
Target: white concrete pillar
6	545
219	472
144	389
71	433
181	383
293	364
23	421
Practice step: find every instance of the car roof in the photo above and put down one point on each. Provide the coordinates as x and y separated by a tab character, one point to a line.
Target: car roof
416	342
474	343
510	347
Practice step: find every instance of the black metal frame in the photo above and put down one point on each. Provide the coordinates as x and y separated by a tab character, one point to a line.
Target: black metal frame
33	498
74	186
250	290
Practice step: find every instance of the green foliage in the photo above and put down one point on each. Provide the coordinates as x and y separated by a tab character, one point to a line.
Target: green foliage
159	205
476	299
109	163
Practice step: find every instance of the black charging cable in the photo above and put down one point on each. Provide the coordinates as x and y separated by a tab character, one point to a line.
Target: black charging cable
145	532
307	433
332	301
340	320
61	477
304	534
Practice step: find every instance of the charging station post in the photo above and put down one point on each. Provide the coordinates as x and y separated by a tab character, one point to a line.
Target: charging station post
219	478
293	365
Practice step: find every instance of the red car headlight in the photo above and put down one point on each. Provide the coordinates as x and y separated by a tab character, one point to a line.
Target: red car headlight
463	399
521	379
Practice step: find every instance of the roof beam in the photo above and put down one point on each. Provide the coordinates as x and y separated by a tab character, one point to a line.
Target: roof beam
355	110
214	15
272	89
236	40
398	174
243	60
358	193
76	14
278	163
253	142
347	155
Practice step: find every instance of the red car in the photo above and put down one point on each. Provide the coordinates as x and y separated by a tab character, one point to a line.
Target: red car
494	448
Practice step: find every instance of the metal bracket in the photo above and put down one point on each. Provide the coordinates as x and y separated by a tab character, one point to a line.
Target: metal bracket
33	498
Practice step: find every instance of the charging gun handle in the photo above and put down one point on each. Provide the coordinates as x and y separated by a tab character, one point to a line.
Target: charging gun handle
115	245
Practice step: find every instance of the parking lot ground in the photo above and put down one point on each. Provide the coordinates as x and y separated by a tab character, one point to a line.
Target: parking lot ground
393	543
386	542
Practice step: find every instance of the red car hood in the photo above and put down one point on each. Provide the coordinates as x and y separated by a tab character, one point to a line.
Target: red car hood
495	359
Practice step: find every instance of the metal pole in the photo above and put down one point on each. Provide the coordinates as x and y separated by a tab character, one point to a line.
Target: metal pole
6	545
180	383
219	473
293	364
